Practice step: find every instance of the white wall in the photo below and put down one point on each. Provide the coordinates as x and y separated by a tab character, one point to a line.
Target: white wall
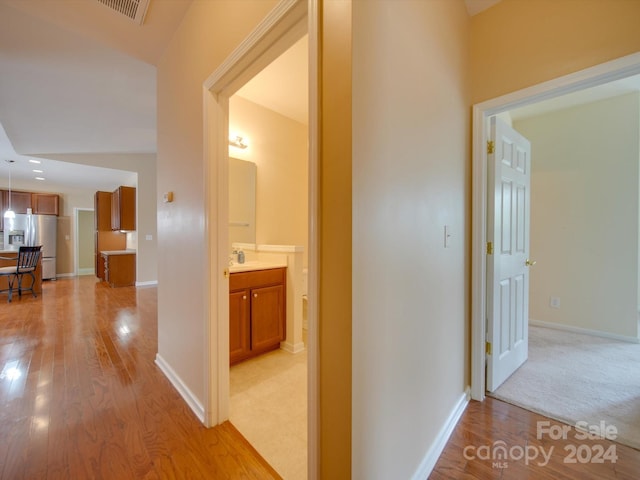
584	215
279	148
410	178
207	34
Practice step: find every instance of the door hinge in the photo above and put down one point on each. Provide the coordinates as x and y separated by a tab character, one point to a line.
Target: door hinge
488	348
490	146
489	248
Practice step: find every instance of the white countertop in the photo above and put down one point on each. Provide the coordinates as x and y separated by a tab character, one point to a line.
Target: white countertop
254	265
117	252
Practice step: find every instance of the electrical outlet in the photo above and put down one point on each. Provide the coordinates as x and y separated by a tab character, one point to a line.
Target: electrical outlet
554	302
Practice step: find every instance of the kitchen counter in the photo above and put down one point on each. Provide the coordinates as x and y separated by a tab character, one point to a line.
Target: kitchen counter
118	252
254	265
119	267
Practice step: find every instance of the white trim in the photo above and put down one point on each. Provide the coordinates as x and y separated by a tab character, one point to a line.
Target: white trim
434	452
65	275
182	389
583	331
244	246
86	271
149	283
590	77
257	50
292	347
280	248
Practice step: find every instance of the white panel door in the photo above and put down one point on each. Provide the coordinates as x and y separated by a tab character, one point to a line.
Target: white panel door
509	178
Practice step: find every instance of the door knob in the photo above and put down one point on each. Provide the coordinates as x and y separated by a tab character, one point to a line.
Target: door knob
530	263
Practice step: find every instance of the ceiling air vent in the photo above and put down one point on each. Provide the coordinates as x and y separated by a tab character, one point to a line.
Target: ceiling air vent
133	9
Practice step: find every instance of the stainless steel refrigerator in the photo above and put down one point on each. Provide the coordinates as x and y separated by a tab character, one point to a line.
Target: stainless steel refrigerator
34	230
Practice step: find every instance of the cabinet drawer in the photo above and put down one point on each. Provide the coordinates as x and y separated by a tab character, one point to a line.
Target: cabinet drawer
256	278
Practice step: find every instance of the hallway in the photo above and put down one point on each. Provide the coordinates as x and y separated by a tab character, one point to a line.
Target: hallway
81	397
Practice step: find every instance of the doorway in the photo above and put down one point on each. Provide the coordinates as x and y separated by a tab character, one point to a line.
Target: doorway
85	248
268	211
286	24
598	75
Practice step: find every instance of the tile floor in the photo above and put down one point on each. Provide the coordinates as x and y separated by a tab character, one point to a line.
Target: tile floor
269	407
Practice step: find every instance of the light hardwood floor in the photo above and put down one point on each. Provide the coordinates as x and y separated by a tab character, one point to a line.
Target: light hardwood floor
486	423
81	397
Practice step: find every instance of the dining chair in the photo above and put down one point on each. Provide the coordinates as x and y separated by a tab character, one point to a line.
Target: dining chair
26	263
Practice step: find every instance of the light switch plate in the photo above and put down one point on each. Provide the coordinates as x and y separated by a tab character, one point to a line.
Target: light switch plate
447	236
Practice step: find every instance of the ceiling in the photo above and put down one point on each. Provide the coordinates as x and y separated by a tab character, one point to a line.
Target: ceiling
79	78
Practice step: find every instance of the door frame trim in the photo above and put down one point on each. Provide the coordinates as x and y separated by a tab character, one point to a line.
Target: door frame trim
286	23
590	77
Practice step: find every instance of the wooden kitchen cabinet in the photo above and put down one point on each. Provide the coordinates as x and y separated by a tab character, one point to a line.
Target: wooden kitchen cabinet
257	320
20	201
119	268
105	238
45	203
123	209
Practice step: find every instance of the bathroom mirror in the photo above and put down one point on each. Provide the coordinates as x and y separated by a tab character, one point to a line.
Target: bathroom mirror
242	201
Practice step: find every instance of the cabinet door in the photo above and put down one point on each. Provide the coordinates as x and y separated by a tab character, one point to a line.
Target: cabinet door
123	209
267	317
102	207
115	210
45	203
239	347
20	201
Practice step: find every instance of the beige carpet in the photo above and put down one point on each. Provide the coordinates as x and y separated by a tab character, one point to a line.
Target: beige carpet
572	377
269	407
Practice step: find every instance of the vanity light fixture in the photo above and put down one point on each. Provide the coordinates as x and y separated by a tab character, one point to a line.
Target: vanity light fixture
10	213
238	142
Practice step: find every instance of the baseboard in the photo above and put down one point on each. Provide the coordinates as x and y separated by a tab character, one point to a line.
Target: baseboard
583	331
86	271
149	283
62	275
182	389
433	454
292	347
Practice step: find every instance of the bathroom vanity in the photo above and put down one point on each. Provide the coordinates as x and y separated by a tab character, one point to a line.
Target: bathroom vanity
257	310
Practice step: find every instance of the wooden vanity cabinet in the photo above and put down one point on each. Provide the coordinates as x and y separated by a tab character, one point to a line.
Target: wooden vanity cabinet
257	309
